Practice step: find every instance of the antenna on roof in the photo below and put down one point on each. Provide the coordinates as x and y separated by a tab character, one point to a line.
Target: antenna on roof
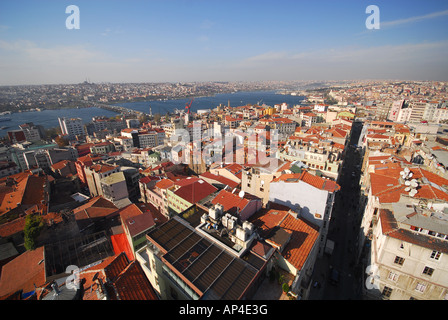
241	194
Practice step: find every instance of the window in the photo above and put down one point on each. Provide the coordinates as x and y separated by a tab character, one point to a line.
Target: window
393	276
428	271
420	287
436	255
399	260
387	292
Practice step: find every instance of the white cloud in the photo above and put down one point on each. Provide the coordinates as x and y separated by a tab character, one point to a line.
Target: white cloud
269	56
23	62
414	19
425	60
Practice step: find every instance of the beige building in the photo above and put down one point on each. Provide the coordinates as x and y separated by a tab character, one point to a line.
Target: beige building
94	175
409	261
114	187
256	178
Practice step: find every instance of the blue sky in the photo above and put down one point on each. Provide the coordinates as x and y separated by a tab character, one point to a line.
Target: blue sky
247	40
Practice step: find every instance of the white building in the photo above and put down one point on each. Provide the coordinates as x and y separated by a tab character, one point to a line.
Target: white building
72	127
311	196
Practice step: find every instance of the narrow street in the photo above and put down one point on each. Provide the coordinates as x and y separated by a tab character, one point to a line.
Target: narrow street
344	227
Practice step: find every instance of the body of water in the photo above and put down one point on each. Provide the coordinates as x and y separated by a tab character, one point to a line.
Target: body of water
234	99
49	118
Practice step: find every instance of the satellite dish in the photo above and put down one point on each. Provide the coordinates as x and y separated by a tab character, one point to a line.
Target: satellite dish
241	194
413	192
407	189
407	183
406	170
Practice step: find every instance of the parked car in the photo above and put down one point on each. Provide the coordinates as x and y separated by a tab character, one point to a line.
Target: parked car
334	277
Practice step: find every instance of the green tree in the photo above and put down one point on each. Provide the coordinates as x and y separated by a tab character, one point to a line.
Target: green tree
52	133
143	118
61	141
157	117
33	226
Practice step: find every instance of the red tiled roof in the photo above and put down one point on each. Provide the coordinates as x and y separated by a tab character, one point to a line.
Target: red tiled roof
135	220
28	190
230	201
164	184
10	228
123	279
60	165
380	183
148	179
315	181
385	183
220	179
390	228
23	272
98	207
101	168
132	284
195	191
303	234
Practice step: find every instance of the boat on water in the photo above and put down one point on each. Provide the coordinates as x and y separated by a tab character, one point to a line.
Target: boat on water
5	119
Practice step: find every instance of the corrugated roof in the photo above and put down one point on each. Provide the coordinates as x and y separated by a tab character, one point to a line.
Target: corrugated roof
209	269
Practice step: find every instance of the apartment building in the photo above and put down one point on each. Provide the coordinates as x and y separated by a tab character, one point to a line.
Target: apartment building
154	191
114	187
136	223
312	197
186	192
205	266
102	147
296	241
72	127
32	132
256	179
408	257
95	173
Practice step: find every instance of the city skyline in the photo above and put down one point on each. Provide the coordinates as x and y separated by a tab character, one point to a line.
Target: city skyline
155	41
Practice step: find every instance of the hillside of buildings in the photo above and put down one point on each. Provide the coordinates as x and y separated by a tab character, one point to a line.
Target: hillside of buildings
345	194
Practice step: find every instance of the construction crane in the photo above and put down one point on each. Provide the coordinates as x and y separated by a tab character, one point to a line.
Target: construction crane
188	106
